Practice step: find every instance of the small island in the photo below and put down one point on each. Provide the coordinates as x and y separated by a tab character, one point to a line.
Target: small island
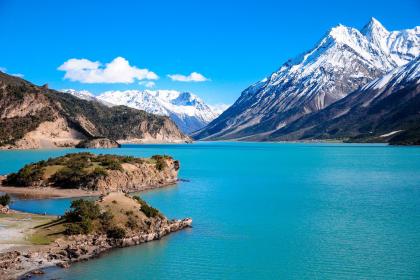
87	174
88	229
30	242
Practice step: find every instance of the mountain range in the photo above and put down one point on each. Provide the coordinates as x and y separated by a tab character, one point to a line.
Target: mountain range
341	63
187	110
38	117
385	110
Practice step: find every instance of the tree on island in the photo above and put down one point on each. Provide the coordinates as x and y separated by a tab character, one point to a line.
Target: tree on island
5	200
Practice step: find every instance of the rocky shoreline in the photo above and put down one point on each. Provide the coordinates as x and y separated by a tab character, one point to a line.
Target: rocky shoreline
18	264
115	219
50	192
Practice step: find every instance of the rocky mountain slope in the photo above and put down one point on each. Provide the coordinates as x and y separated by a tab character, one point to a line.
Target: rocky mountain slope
38	117
385	110
343	61
187	110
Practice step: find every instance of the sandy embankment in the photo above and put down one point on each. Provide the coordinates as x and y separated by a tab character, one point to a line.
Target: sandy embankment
46	192
16	229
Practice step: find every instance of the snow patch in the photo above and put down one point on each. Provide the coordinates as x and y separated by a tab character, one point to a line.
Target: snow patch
390	134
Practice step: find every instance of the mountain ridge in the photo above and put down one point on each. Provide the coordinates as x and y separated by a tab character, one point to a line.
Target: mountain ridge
186	109
384	110
38	117
344	60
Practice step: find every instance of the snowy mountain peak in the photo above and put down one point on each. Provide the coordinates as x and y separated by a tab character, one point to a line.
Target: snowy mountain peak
399	76
187	110
344	60
187	99
342	33
373	28
82	94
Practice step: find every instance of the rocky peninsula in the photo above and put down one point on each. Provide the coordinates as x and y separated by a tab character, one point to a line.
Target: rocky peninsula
97	143
90	228
87	174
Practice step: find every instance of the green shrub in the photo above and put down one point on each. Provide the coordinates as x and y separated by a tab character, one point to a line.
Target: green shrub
160	161
5	199
148	210
106	221
132	222
74	178
98	171
81	210
80	216
29	174
73	229
83	227
110	162
116	232
68	178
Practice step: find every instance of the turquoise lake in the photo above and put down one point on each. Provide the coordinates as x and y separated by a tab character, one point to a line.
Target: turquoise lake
268	211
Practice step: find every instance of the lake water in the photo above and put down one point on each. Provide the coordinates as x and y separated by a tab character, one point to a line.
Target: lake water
269	211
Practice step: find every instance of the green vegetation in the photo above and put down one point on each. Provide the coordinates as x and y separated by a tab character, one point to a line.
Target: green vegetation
79	170
85	217
71	178
5	199
132	222
160	161
148	210
26	176
81	216
116	232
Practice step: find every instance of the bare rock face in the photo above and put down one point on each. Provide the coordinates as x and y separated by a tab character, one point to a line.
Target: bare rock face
98	143
4	209
138	177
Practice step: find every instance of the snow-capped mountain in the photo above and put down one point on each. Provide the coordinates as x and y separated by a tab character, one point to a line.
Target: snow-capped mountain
187	110
386	109
86	95
81	94
344	60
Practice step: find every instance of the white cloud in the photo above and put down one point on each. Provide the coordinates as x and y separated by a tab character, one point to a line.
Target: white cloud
193	77
219	108
148	84
4	70
117	71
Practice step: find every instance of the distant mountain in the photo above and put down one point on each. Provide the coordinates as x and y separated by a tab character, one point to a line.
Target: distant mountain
187	110
38	117
342	62
385	110
86	95
82	94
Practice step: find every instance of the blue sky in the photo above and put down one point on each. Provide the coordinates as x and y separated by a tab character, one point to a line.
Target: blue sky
231	43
